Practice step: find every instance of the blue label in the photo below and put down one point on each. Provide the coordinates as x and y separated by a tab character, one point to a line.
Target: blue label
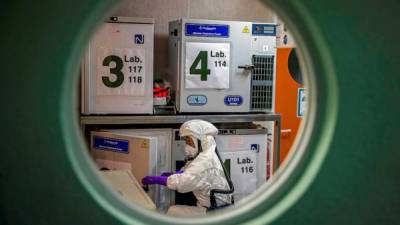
207	30
139	39
110	144
233	100
264	30
197	100
255	147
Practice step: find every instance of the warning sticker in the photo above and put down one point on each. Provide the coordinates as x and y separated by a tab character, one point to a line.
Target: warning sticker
145	144
246	30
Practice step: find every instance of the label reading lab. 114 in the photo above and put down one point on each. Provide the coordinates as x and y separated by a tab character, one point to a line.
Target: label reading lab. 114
219	58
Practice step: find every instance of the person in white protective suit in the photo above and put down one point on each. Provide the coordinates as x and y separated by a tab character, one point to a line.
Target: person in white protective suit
202	175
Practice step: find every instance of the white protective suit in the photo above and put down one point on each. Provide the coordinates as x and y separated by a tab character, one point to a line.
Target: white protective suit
202	174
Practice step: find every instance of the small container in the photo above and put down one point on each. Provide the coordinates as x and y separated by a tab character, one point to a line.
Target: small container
160	96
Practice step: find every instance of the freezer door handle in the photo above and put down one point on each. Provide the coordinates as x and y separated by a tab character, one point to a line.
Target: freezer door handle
285	133
246	67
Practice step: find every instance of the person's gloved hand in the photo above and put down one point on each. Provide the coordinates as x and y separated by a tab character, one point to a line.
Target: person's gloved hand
147	180
167	174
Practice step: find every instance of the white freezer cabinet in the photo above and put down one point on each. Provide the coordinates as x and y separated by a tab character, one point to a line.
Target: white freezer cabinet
143	151
117	69
222	66
246	154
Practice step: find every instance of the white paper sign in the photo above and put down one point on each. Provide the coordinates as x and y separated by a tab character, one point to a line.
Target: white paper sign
243	170
207	65
301	102
120	71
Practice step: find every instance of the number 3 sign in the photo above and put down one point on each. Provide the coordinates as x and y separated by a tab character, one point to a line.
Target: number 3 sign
120	71
207	65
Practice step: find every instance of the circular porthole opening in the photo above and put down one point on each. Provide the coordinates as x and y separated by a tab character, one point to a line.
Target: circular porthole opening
258	152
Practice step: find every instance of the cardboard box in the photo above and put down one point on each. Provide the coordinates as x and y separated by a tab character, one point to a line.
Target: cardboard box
124	183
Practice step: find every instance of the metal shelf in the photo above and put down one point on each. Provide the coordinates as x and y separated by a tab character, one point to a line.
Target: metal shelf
176	119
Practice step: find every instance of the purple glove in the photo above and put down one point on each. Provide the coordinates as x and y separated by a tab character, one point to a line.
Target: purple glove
167	174
154	180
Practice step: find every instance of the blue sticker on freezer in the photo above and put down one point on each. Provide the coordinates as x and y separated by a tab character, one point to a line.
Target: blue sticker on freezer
139	39
255	147
264	30
111	144
207	30
197	100
233	100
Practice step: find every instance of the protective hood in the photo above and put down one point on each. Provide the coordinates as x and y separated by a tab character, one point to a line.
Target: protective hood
201	130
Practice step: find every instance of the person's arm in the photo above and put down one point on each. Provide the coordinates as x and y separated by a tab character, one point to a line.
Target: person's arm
167	174
161	180
184	182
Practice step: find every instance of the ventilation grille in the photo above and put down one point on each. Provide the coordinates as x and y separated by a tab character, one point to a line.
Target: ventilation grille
262	81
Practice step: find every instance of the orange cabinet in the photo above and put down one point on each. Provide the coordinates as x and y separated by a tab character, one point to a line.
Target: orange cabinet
289	85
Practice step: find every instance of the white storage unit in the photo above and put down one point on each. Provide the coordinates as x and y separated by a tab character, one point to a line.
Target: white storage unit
117	70
160	160
246	154
222	66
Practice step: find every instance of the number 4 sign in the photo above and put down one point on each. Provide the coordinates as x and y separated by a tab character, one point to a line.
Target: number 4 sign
207	65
